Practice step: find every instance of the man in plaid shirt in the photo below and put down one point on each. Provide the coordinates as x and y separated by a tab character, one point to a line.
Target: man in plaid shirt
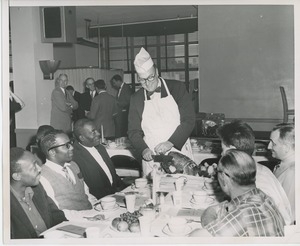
250	211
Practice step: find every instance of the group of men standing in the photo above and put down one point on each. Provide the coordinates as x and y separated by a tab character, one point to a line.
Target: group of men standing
110	114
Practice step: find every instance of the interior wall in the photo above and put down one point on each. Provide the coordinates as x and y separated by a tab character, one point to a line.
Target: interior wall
86	56
245	54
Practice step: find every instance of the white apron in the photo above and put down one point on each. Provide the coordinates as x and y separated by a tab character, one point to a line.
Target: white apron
159	121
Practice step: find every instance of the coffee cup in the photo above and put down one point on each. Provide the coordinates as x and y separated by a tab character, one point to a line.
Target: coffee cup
54	234
141	183
177	224
108	202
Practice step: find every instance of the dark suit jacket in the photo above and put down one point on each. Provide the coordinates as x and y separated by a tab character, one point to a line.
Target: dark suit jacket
186	111
121	119
93	174
77	113
102	112
86	101
20	224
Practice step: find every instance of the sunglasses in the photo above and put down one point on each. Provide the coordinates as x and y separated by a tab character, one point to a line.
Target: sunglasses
67	144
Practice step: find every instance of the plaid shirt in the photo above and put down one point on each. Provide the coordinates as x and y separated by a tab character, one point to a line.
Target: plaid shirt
251	214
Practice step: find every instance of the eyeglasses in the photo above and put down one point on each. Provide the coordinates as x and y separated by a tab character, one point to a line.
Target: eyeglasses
149	79
219	171
67	144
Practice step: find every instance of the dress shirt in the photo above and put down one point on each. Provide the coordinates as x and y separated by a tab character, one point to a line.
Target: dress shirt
63	90
96	155
70	214
30	210
119	91
92	93
250	214
285	174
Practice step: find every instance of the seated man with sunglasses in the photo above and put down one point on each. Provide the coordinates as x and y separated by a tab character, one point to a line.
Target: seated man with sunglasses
62	178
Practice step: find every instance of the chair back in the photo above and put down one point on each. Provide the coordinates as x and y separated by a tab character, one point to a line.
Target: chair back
284	100
127	166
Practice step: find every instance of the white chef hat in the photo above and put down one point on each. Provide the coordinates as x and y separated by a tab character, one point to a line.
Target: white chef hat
143	61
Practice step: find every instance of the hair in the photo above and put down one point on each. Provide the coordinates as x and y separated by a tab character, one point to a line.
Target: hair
286	133
49	140
42	131
238	134
240	165
16	154
57	84
87	80
117	77
78	126
100	84
70	88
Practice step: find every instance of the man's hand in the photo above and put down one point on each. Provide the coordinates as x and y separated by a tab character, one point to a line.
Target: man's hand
163	147
147	154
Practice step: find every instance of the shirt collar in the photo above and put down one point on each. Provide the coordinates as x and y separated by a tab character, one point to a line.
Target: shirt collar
54	166
86	147
237	200
28	193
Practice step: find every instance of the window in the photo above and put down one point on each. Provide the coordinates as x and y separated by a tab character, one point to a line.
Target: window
176	56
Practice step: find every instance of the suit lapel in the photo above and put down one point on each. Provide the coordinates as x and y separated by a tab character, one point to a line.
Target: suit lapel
90	159
20	215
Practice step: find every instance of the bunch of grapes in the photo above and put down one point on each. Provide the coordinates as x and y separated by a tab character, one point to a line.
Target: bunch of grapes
131	217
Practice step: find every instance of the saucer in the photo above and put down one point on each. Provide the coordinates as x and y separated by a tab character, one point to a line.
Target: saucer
100	209
187	230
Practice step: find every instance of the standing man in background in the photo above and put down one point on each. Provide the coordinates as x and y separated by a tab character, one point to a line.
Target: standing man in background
161	114
76	95
63	103
87	97
15	105
103	110
123	101
282	146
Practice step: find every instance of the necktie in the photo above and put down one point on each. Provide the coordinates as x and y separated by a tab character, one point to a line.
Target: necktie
92	94
150	93
68	177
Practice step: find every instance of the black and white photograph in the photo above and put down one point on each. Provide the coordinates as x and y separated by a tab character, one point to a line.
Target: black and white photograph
150	122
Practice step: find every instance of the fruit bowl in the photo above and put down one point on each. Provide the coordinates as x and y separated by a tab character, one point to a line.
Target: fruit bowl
127	222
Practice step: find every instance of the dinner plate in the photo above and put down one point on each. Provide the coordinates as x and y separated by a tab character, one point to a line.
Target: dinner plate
100	209
187	230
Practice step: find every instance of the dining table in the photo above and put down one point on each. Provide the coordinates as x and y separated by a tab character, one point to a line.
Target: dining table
164	208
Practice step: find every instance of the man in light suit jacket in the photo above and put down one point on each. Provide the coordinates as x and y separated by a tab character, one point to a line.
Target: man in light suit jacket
93	160
123	101
63	104
103	110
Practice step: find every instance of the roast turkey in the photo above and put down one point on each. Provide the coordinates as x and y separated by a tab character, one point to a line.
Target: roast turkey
180	164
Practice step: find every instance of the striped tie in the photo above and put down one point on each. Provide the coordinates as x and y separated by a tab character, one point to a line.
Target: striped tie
67	174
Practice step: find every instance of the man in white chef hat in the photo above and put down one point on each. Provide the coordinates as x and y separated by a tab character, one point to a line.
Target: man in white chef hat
161	115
